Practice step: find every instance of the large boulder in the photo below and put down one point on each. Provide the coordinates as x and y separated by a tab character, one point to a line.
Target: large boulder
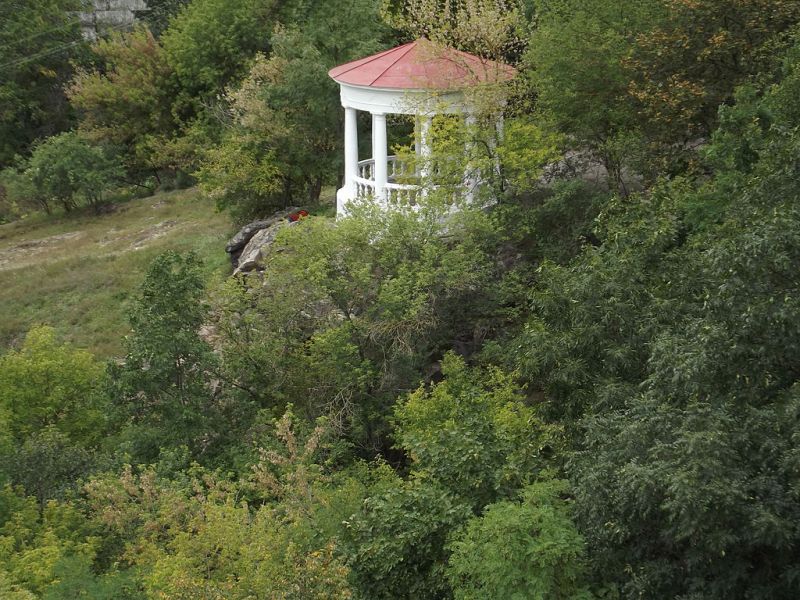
251	244
257	247
236	246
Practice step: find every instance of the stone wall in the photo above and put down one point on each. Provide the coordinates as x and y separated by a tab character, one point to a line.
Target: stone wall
110	14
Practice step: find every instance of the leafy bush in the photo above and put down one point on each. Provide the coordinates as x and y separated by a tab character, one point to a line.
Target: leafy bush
46	383
472	434
18	195
395	545
68	170
284	140
518	550
347	315
163	389
47	464
127	101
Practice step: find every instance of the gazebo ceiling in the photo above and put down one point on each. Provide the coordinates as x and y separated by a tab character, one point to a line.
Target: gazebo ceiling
421	65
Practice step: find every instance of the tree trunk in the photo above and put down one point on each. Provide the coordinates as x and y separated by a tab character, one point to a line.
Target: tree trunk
314	191
287	192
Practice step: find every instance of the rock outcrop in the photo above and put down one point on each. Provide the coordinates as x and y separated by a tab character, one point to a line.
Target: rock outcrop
249	246
109	15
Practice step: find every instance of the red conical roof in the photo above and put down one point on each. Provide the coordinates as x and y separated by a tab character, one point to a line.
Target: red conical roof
421	65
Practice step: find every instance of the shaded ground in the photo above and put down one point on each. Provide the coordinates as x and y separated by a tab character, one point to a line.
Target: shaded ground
78	273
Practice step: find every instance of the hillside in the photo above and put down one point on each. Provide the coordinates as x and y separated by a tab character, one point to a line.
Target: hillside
77	273
545	348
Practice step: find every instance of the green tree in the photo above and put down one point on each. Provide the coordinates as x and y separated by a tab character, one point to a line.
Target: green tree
47	464
67	169
395	545
46	383
210	43
639	84
163	389
38	43
472	434
667	352
159	13
495	29
470	441
527	549
284	140
690	62
582	88
127	101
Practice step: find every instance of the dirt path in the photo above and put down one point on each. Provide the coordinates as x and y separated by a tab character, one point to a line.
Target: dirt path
28	253
20	255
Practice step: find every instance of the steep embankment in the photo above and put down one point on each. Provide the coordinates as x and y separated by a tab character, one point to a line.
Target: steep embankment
77	273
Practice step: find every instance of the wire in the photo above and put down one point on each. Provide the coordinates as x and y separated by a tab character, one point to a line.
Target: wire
32	57
41	33
55	50
88	10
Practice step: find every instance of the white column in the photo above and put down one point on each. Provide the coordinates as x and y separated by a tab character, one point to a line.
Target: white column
499	126
417	141
425	144
372	140
380	154
350	150
471	174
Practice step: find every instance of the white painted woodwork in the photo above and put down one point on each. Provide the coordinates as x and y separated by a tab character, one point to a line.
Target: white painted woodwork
376	177
350	149
380	155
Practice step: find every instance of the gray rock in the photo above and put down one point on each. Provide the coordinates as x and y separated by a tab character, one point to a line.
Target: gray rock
236	245
109	15
261	236
244	235
256	248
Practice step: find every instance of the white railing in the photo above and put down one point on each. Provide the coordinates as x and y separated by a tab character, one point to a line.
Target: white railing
394	192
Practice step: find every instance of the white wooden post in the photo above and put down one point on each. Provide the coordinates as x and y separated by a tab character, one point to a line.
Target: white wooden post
380	154
499	126
417	140
425	145
350	150
471	174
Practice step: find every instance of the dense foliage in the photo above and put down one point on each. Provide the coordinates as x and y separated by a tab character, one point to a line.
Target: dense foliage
582	384
288	96
39	40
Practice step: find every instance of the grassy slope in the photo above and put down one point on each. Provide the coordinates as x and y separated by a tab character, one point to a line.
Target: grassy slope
78	273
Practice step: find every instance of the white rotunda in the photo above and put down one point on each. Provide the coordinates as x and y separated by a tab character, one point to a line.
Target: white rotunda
419	79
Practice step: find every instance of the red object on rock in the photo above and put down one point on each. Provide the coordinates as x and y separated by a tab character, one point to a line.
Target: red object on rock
301	214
